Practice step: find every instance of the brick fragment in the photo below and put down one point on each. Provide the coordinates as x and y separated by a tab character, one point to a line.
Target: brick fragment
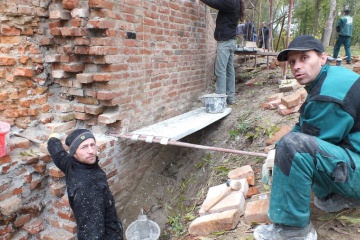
215	222
257	212
243	172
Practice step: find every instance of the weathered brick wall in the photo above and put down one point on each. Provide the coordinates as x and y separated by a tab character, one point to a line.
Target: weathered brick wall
71	63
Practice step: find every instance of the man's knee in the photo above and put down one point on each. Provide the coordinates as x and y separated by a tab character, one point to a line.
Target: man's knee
292	144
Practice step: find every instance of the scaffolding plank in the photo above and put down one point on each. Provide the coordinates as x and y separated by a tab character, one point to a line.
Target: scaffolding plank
180	126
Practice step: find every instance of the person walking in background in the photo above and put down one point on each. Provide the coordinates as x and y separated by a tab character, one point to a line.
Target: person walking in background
344	28
264	36
228	16
87	188
322	152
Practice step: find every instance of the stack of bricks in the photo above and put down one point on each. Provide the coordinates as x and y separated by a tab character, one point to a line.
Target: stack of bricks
286	104
225	214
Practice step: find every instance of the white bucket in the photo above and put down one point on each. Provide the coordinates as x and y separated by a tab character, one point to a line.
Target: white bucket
143	229
214	103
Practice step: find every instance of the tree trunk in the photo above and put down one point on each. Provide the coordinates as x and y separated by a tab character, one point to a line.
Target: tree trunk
329	23
316	17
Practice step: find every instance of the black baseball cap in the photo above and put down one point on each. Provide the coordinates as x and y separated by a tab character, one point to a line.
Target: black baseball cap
301	43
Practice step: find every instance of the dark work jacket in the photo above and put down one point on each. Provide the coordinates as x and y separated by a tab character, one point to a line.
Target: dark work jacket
227	18
331	111
89	196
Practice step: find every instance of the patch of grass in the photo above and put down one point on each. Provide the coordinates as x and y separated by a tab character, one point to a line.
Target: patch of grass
204	161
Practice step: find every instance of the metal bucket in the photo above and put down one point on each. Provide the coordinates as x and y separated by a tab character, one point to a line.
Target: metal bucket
143	229
214	103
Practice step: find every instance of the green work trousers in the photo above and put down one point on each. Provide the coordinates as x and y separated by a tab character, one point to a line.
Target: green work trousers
340	41
304	163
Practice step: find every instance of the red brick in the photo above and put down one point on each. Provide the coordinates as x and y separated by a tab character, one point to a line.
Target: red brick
7	61
108	95
47	41
103	50
283	110
56	172
291	100
215	222
22	219
34	227
243	172
14	40
257	212
101	23
81	50
84	77
4	229
83	116
20	142
5	159
58	189
82	41
107	4
95	110
278	135
8	30
73	67
23	72
252	191
59	15
36	179
70	4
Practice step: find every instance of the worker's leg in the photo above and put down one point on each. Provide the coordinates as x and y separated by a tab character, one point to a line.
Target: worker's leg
347	43
222	58
339	42
303	162
230	74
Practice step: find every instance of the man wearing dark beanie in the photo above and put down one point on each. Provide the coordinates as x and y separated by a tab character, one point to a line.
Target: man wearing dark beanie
88	191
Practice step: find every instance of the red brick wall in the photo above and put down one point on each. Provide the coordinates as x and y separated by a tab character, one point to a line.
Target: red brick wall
74	63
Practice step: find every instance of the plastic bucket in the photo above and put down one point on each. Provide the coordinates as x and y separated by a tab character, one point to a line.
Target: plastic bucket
143	229
4	139
214	103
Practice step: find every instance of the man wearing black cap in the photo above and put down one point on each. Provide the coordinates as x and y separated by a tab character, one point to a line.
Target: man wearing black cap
344	28
322	152
87	188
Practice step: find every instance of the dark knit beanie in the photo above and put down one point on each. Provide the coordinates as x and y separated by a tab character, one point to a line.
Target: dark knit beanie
76	138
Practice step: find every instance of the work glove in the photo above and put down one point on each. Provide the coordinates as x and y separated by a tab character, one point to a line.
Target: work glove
56	135
267	167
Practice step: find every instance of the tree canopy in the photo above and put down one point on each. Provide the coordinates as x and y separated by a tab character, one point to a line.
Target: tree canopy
308	17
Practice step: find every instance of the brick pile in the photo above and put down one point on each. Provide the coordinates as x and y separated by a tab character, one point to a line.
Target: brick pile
225	215
289	103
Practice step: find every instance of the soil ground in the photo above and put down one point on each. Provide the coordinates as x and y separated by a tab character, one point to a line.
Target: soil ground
173	192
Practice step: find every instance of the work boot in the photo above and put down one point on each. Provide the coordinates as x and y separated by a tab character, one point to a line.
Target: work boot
335	202
283	232
348	62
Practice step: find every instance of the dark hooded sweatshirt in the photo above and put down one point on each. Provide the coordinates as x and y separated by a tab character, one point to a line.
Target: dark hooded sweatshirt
89	196
227	18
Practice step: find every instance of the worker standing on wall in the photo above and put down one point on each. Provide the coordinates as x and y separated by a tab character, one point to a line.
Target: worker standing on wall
87	188
229	14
